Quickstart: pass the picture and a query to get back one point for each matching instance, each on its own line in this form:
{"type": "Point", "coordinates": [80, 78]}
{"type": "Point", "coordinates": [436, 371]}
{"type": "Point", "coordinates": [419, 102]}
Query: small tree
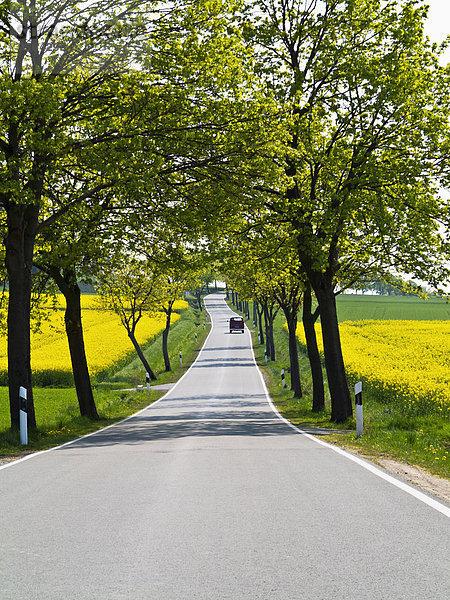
{"type": "Point", "coordinates": [171, 286]}
{"type": "Point", "coordinates": [129, 290]}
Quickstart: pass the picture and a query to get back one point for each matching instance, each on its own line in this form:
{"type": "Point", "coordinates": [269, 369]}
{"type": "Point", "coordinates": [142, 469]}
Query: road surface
{"type": "Point", "coordinates": [209, 495]}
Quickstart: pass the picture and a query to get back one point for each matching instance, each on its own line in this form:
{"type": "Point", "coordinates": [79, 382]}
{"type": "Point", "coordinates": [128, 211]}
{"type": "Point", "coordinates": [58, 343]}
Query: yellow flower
{"type": "Point", "coordinates": [105, 338]}
{"type": "Point", "coordinates": [406, 362]}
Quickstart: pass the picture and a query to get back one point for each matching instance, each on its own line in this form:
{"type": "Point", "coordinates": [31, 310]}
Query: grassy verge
{"type": "Point", "coordinates": [57, 413]}
{"type": "Point", "coordinates": [423, 441]}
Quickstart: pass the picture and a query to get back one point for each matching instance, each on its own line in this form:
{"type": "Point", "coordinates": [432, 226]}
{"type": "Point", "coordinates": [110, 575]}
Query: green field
{"type": "Point", "coordinates": [48, 404]}
{"type": "Point", "coordinates": [358, 307]}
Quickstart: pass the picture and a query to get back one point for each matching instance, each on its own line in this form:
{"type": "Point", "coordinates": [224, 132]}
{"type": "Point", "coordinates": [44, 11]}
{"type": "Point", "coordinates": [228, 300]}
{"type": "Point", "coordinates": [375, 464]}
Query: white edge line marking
{"type": "Point", "coordinates": [363, 463]}
{"type": "Point", "coordinates": [41, 452]}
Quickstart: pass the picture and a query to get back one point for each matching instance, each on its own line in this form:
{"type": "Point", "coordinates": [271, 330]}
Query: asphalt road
{"type": "Point", "coordinates": [209, 495]}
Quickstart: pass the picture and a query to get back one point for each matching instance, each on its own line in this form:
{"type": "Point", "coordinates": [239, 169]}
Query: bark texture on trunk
{"type": "Point", "coordinates": [341, 404]}
{"type": "Point", "coordinates": [269, 315]}
{"type": "Point", "coordinates": [165, 337]}
{"type": "Point", "coordinates": [289, 297]}
{"type": "Point", "coordinates": [68, 286]}
{"type": "Point", "coordinates": [260, 311]}
{"type": "Point", "coordinates": [22, 222]}
{"type": "Point", "coordinates": [75, 338]}
{"type": "Point", "coordinates": [312, 349]}
{"type": "Point", "coordinates": [198, 296]}
{"type": "Point", "coordinates": [141, 354]}
{"type": "Point", "coordinates": [296, 386]}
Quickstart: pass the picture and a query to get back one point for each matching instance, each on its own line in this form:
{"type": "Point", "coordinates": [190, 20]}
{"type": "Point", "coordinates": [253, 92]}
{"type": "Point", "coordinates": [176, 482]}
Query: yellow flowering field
{"type": "Point", "coordinates": [106, 339]}
{"type": "Point", "coordinates": [92, 301]}
{"type": "Point", "coordinates": [403, 362]}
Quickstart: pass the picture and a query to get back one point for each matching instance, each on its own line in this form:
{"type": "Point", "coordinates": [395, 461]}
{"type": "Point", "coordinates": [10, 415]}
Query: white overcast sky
{"type": "Point", "coordinates": [438, 22]}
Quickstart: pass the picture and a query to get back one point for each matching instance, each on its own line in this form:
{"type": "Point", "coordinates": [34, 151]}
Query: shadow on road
{"type": "Point", "coordinates": [192, 417]}
{"type": "Point", "coordinates": [217, 348]}
{"type": "Point", "coordinates": [204, 363]}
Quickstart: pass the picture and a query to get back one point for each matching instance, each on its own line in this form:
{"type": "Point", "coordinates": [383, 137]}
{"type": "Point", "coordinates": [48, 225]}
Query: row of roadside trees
{"type": "Point", "coordinates": [116, 122]}
{"type": "Point", "coordinates": [314, 133]}
{"type": "Point", "coordinates": [364, 126]}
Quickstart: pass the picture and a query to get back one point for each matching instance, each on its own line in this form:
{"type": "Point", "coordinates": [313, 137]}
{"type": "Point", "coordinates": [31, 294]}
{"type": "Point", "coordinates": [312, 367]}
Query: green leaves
{"type": "Point", "coordinates": [365, 106]}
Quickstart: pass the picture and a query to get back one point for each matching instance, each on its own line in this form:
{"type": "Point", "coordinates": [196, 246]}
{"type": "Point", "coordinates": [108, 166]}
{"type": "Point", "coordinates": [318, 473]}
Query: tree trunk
{"type": "Point", "coordinates": [269, 318]}
{"type": "Point", "coordinates": [68, 286]}
{"type": "Point", "coordinates": [22, 221]}
{"type": "Point", "coordinates": [141, 355]}
{"type": "Point", "coordinates": [291, 318]}
{"type": "Point", "coordinates": [341, 405]}
{"type": "Point", "coordinates": [312, 350]}
{"type": "Point", "coordinates": [272, 341]}
{"type": "Point", "coordinates": [266, 327]}
{"type": "Point", "coordinates": [260, 311]}
{"type": "Point", "coordinates": [198, 295]}
{"type": "Point", "coordinates": [74, 331]}
{"type": "Point", "coordinates": [165, 337]}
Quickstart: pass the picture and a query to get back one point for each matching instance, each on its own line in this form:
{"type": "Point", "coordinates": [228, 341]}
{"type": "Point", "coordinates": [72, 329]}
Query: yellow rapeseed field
{"type": "Point", "coordinates": [403, 362]}
{"type": "Point", "coordinates": [106, 339]}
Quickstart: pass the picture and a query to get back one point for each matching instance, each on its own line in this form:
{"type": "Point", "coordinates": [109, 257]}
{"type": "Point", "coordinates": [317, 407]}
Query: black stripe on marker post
{"type": "Point", "coordinates": [359, 409]}
{"type": "Point", "coordinates": [23, 416]}
{"type": "Point", "coordinates": [23, 401]}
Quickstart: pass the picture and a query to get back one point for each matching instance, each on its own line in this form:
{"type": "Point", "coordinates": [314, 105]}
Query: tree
{"type": "Point", "coordinates": [60, 63]}
{"type": "Point", "coordinates": [75, 117]}
{"type": "Point", "coordinates": [289, 294]}
{"type": "Point", "coordinates": [172, 284]}
{"type": "Point", "coordinates": [260, 268]}
{"type": "Point", "coordinates": [128, 288]}
{"type": "Point", "coordinates": [364, 106]}
{"type": "Point", "coordinates": [309, 317]}
{"type": "Point", "coordinates": [178, 267]}
{"type": "Point", "coordinates": [67, 253]}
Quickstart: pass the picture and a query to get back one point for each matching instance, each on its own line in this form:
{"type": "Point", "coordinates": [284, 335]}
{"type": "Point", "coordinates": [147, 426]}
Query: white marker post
{"type": "Point", "coordinates": [181, 359]}
{"type": "Point", "coordinates": [359, 410]}
{"type": "Point", "coordinates": [265, 356]}
{"type": "Point", "coordinates": [147, 381]}
{"type": "Point", "coordinates": [204, 325]}
{"type": "Point", "coordinates": [23, 416]}
{"type": "Point", "coordinates": [283, 380]}
{"type": "Point", "coordinates": [195, 337]}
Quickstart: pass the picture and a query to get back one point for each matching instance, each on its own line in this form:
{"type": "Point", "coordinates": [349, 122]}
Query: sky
{"type": "Point", "coordinates": [437, 26]}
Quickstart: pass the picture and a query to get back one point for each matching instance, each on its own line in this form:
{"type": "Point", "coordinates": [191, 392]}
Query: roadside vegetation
{"type": "Point", "coordinates": [391, 430]}
{"type": "Point", "coordinates": [115, 391]}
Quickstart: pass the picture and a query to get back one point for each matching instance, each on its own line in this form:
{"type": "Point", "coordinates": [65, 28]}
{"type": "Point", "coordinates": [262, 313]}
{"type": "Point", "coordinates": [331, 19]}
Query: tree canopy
{"type": "Point", "coordinates": [324, 120]}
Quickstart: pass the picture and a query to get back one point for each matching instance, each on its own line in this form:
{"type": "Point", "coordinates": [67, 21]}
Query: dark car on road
{"type": "Point", "coordinates": [237, 324]}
